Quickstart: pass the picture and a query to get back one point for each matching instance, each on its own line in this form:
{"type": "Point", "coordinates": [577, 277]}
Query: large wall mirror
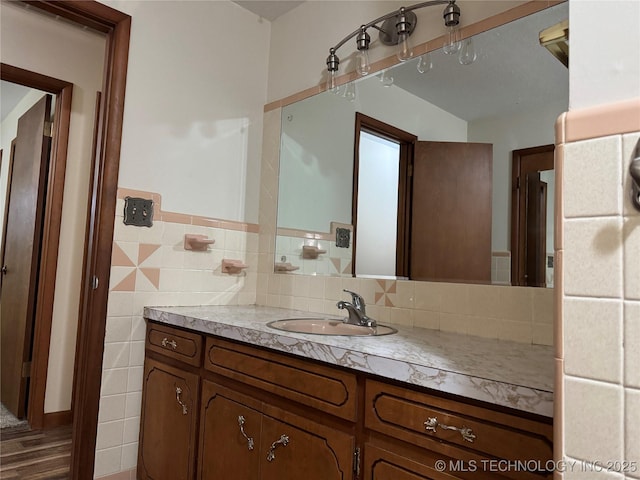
{"type": "Point", "coordinates": [436, 169]}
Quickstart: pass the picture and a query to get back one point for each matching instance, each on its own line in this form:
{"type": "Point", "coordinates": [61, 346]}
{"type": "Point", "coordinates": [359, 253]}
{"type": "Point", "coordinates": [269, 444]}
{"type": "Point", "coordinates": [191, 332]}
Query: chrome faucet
{"type": "Point", "coordinates": [356, 310]}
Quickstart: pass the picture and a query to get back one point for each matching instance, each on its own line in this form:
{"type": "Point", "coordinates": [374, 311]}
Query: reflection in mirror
{"type": "Point", "coordinates": [16, 100]}
{"type": "Point", "coordinates": [509, 99]}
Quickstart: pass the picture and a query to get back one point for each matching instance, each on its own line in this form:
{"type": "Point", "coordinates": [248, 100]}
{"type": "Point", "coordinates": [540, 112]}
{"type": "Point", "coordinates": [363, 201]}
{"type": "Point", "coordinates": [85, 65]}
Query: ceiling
{"type": "Point", "coordinates": [268, 9]}
{"type": "Point", "coordinates": [512, 72]}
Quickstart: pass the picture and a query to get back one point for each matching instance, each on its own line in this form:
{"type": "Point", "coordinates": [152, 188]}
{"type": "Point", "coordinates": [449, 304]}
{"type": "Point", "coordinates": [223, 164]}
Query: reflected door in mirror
{"type": "Point", "coordinates": [451, 212]}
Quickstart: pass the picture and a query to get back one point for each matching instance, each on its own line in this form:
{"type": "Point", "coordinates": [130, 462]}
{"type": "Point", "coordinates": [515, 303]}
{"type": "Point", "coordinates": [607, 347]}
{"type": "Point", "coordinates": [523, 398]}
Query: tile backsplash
{"type": "Point", "coordinates": [518, 314]}
{"type": "Point", "coordinates": [151, 267]}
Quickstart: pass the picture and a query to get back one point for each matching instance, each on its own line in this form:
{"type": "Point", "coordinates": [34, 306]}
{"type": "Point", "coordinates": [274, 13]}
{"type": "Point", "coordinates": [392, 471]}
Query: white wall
{"type": "Point", "coordinates": [35, 42]}
{"type": "Point", "coordinates": [196, 87]}
{"type": "Point", "coordinates": [604, 66]}
{"type": "Point", "coordinates": [531, 128]}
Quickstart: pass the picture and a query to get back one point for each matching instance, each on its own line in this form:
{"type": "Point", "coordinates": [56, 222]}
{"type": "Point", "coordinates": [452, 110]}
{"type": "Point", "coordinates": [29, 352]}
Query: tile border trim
{"type": "Point", "coordinates": [617, 118]}
{"type": "Point", "coordinates": [185, 218]}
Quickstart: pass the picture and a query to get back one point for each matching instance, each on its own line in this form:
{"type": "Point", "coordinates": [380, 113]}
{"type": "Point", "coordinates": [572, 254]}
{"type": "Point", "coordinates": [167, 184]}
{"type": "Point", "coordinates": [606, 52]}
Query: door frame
{"type": "Point", "coordinates": [116, 26]}
{"type": "Point", "coordinates": [406, 141]}
{"type": "Point", "coordinates": [50, 235]}
{"type": "Point", "coordinates": [518, 205]}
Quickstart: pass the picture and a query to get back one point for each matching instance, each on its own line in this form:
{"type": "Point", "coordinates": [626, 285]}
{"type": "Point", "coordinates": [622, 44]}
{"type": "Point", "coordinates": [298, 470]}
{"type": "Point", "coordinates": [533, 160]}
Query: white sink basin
{"type": "Point", "coordinates": [328, 326]}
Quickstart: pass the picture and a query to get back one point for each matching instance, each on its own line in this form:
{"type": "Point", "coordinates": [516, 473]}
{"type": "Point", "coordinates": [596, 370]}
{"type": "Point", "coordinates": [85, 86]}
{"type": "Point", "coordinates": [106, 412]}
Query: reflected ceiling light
{"type": "Point", "coordinates": [397, 27]}
{"type": "Point", "coordinates": [467, 53]}
{"type": "Point", "coordinates": [424, 63]}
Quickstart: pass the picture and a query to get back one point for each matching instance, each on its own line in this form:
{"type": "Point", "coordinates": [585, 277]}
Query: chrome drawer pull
{"type": "Point", "coordinates": [284, 441]}
{"type": "Point", "coordinates": [432, 423]}
{"type": "Point", "coordinates": [241, 421]}
{"type": "Point", "coordinates": [184, 406]}
{"type": "Point", "coordinates": [166, 342]}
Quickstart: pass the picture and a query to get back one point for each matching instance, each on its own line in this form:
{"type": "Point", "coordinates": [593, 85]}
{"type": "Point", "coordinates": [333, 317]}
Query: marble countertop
{"type": "Point", "coordinates": [515, 375]}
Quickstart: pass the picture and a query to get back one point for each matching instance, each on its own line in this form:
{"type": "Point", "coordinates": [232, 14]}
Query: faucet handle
{"type": "Point", "coordinates": [357, 300]}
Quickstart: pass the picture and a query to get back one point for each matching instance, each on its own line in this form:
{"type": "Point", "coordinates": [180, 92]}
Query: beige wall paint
{"type": "Point", "coordinates": [36, 42]}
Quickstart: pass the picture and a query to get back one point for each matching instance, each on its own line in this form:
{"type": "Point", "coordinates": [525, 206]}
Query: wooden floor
{"type": "Point", "coordinates": [31, 455]}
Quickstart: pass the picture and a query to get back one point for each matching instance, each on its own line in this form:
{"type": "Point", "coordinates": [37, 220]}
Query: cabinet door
{"type": "Point", "coordinates": [168, 423]}
{"type": "Point", "coordinates": [296, 448]}
{"type": "Point", "coordinates": [381, 464]}
{"type": "Point", "coordinates": [230, 426]}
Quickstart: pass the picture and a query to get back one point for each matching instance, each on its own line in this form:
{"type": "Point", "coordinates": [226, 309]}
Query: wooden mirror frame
{"type": "Point", "coordinates": [101, 212]}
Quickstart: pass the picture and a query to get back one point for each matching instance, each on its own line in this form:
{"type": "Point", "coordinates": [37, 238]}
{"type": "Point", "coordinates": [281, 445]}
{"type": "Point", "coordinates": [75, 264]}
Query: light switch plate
{"type": "Point", "coordinates": [138, 212]}
{"type": "Point", "coordinates": [343, 237]}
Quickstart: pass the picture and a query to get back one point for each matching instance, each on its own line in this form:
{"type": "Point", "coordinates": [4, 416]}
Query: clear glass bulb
{"type": "Point", "coordinates": [363, 67]}
{"type": "Point", "coordinates": [331, 81]}
{"type": "Point", "coordinates": [452, 41]}
{"type": "Point", "coordinates": [405, 50]}
{"type": "Point", "coordinates": [350, 92]}
{"type": "Point", "coordinates": [467, 53]}
{"type": "Point", "coordinates": [424, 63]}
{"type": "Point", "coordinates": [386, 79]}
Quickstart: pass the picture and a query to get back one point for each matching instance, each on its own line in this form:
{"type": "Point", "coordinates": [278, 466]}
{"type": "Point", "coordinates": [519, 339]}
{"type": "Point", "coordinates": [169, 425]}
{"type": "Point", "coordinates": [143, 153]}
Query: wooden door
{"type": "Point", "coordinates": [451, 212]}
{"type": "Point", "coordinates": [536, 234]}
{"type": "Point", "coordinates": [525, 162]}
{"type": "Point", "coordinates": [168, 423]}
{"type": "Point", "coordinates": [22, 252]}
{"type": "Point", "coordinates": [230, 430]}
{"type": "Point", "coordinates": [295, 448]}
{"type": "Point", "coordinates": [383, 464]}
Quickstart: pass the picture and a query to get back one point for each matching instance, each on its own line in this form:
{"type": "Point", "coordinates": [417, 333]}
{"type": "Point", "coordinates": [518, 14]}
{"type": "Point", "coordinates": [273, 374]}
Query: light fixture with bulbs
{"type": "Point", "coordinates": [396, 28]}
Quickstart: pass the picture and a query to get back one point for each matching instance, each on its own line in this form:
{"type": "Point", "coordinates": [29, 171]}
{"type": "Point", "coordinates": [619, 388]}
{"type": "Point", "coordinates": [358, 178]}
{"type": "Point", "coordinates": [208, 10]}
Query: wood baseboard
{"type": "Point", "coordinates": [57, 419]}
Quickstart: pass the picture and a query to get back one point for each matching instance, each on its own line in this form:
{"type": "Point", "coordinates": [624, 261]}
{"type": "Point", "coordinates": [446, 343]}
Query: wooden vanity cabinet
{"type": "Point", "coordinates": [395, 462]}
{"type": "Point", "coordinates": [214, 409]}
{"type": "Point", "coordinates": [472, 441]}
{"type": "Point", "coordinates": [246, 439]}
{"type": "Point", "coordinates": [168, 422]}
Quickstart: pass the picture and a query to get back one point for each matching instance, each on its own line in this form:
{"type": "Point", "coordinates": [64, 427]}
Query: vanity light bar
{"type": "Point", "coordinates": [397, 27]}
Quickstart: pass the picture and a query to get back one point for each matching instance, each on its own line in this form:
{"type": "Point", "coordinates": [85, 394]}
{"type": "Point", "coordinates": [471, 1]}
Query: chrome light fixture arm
{"type": "Point", "coordinates": [393, 14]}
{"type": "Point", "coordinates": [396, 28]}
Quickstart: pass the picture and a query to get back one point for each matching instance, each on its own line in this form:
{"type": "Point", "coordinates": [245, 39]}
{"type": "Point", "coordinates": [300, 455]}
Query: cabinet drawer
{"type": "Point", "coordinates": [427, 420]}
{"type": "Point", "coordinates": [175, 343]}
{"type": "Point", "coordinates": [398, 464]}
{"type": "Point", "coordinates": [325, 388]}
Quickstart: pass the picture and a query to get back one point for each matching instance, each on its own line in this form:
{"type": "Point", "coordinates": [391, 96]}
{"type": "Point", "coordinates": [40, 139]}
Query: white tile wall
{"type": "Point", "coordinates": [601, 311]}
{"type": "Point", "coordinates": [183, 278]}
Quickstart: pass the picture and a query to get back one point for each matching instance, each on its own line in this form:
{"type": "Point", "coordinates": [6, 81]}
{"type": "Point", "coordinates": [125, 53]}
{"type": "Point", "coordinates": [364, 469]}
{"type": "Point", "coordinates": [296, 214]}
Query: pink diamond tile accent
{"type": "Point", "coordinates": [385, 292]}
{"type": "Point", "coordinates": [336, 263]}
{"type": "Point", "coordinates": [153, 274]}
{"type": "Point", "coordinates": [145, 251]}
{"type": "Point", "coordinates": [119, 258]}
{"type": "Point", "coordinates": [127, 284]}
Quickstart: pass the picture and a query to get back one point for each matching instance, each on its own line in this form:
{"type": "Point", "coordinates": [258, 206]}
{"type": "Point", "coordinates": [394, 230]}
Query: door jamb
{"type": "Point", "coordinates": [50, 232]}
{"type": "Point", "coordinates": [99, 234]}
{"type": "Point", "coordinates": [406, 141]}
{"type": "Point", "coordinates": [517, 207]}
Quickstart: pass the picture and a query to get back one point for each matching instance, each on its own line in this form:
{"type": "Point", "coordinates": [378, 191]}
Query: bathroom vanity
{"type": "Point", "coordinates": [227, 397]}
